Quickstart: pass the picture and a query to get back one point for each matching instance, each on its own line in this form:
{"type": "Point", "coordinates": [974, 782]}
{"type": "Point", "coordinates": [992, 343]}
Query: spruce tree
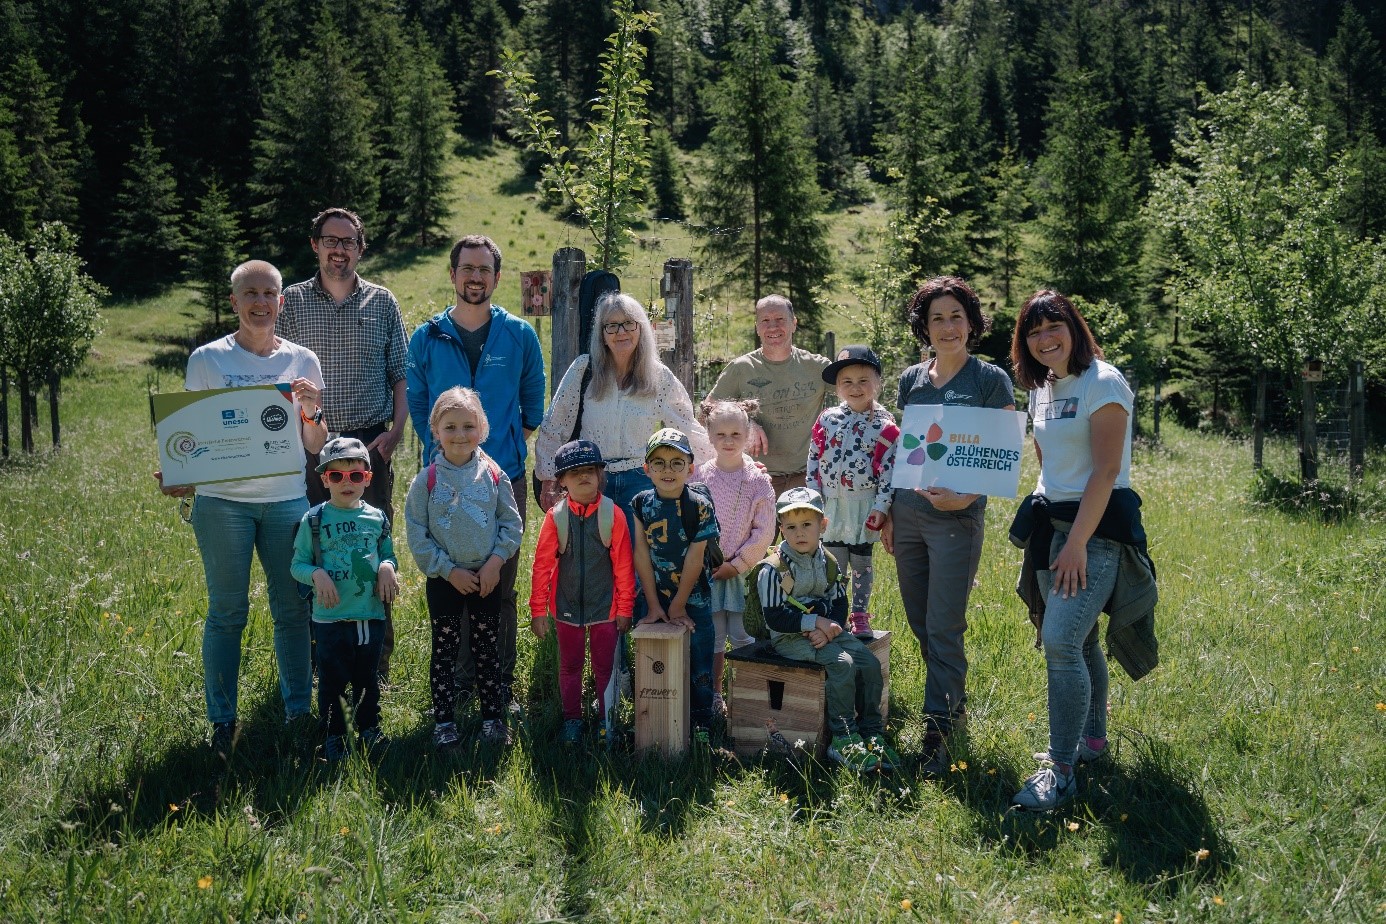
{"type": "Point", "coordinates": [759, 201]}
{"type": "Point", "coordinates": [46, 155]}
{"type": "Point", "coordinates": [16, 217]}
{"type": "Point", "coordinates": [414, 190]}
{"type": "Point", "coordinates": [1088, 237]}
{"type": "Point", "coordinates": [214, 247]}
{"type": "Point", "coordinates": [313, 146]}
{"type": "Point", "coordinates": [472, 50]}
{"type": "Point", "coordinates": [1006, 184]}
{"type": "Point", "coordinates": [146, 237]}
{"type": "Point", "coordinates": [666, 177]}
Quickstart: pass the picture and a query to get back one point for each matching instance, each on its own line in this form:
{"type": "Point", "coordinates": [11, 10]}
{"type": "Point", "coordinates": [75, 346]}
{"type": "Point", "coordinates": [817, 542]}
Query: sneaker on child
{"type": "Point", "coordinates": [860, 624]}
{"type": "Point", "coordinates": [851, 752]}
{"type": "Point", "coordinates": [335, 748]}
{"type": "Point", "coordinates": [373, 740]}
{"type": "Point", "coordinates": [494, 732]}
{"type": "Point", "coordinates": [888, 756]}
{"type": "Point", "coordinates": [1046, 789]}
{"type": "Point", "coordinates": [445, 735]}
{"type": "Point", "coordinates": [223, 739]}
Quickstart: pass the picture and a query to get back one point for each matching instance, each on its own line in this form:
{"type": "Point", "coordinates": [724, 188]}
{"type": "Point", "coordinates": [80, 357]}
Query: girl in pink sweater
{"type": "Point", "coordinates": [744, 500]}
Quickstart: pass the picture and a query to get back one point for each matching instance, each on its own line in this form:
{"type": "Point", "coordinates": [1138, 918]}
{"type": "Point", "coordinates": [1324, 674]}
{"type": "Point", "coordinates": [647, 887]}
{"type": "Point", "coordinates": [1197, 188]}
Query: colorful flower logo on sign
{"type": "Point", "coordinates": [929, 444]}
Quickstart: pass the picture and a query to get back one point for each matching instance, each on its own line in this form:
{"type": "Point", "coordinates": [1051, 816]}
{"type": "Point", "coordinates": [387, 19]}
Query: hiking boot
{"type": "Point", "coordinates": [224, 739]}
{"type": "Point", "coordinates": [1045, 790]}
{"type": "Point", "coordinates": [860, 625]}
{"type": "Point", "coordinates": [494, 732]}
{"type": "Point", "coordinates": [1086, 753]}
{"type": "Point", "coordinates": [890, 760]}
{"type": "Point", "coordinates": [572, 733]}
{"type": "Point", "coordinates": [445, 735]}
{"type": "Point", "coordinates": [935, 754]}
{"type": "Point", "coordinates": [335, 748]}
{"type": "Point", "coordinates": [851, 752]}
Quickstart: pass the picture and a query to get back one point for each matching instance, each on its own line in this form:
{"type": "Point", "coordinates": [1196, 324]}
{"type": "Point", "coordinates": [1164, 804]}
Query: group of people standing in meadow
{"type": "Point", "coordinates": [652, 511]}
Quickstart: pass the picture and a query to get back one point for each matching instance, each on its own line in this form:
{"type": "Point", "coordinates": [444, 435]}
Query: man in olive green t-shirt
{"type": "Point", "coordinates": [789, 384]}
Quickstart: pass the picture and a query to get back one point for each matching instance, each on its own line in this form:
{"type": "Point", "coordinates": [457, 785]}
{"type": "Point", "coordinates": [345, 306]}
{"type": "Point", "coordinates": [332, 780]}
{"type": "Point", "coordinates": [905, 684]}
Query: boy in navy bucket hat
{"type": "Point", "coordinates": [583, 577]}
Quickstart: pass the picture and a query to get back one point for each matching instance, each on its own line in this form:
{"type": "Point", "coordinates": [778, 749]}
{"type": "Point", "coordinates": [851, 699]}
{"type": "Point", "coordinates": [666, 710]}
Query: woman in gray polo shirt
{"type": "Point", "coordinates": [935, 533]}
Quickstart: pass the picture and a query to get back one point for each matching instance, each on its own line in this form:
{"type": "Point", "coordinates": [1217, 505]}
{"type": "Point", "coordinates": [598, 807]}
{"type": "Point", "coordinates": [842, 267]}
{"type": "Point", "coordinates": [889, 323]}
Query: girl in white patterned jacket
{"type": "Point", "coordinates": [851, 456]}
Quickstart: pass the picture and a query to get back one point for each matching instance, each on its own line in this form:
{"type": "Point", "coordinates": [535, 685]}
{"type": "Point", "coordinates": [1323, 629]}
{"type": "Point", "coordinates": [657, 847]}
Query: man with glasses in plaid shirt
{"type": "Point", "coordinates": [356, 330]}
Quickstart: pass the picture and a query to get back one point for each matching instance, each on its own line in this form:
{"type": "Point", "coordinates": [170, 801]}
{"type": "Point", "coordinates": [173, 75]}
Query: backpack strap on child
{"type": "Point", "coordinates": [315, 527]}
{"type": "Point", "coordinates": [884, 441]}
{"type": "Point", "coordinates": [606, 521]}
{"type": "Point", "coordinates": [492, 467]}
{"type": "Point", "coordinates": [754, 616]}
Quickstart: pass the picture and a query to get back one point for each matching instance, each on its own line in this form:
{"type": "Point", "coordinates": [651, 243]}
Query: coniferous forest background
{"type": "Point", "coordinates": [1072, 143]}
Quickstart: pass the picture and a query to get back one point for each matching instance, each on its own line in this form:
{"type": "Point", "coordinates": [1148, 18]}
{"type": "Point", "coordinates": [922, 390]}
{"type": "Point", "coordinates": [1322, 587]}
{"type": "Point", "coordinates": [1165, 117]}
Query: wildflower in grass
{"type": "Point", "coordinates": [906, 904]}
{"type": "Point", "coordinates": [1124, 816]}
{"type": "Point", "coordinates": [1117, 918]}
{"type": "Point", "coordinates": [1381, 707]}
{"type": "Point", "coordinates": [1217, 900]}
{"type": "Point", "coordinates": [345, 831]}
{"type": "Point", "coordinates": [1202, 854]}
{"type": "Point", "coordinates": [1355, 649]}
{"type": "Point", "coordinates": [1031, 718]}
{"type": "Point", "coordinates": [784, 797]}
{"type": "Point", "coordinates": [1072, 826]}
{"type": "Point", "coordinates": [494, 829]}
{"type": "Point", "coordinates": [205, 882]}
{"type": "Point", "coordinates": [172, 807]}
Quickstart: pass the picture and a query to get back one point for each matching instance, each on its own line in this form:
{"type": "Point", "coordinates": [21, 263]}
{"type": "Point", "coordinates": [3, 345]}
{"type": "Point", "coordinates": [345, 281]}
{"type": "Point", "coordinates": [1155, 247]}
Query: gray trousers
{"type": "Point", "coordinates": [853, 684]}
{"type": "Point", "coordinates": [936, 558]}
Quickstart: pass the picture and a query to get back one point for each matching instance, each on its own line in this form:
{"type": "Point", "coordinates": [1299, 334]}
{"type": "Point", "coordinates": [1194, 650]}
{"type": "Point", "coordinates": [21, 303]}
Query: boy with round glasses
{"type": "Point", "coordinates": [343, 549]}
{"type": "Point", "coordinates": [670, 561]}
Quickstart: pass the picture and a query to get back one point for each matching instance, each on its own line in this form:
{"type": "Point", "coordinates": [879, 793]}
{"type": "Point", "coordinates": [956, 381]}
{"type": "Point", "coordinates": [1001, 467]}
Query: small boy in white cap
{"type": "Point", "coordinates": [343, 549]}
{"type": "Point", "coordinates": [807, 622]}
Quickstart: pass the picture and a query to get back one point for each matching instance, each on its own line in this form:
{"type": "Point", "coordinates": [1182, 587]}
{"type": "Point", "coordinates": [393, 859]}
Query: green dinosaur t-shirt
{"type": "Point", "coordinates": [353, 543]}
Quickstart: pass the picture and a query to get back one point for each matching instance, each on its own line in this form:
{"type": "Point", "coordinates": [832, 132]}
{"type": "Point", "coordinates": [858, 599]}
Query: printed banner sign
{"type": "Point", "coordinates": [227, 434]}
{"type": "Point", "coordinates": [971, 450]}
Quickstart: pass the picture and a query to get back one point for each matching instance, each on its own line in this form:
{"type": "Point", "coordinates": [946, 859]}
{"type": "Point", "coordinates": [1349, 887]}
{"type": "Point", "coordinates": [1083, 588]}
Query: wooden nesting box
{"type": "Point", "coordinates": [661, 688]}
{"type": "Point", "coordinates": [791, 694]}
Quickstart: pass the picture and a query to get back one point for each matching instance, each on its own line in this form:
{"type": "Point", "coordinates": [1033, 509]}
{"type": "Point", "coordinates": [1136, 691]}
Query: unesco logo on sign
{"type": "Point", "coordinates": [274, 418]}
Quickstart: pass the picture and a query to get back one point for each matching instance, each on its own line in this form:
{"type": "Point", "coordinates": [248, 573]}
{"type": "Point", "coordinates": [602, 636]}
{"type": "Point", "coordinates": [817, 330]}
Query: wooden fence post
{"type": "Point", "coordinates": [676, 288]}
{"type": "Point", "coordinates": [1357, 419]}
{"type": "Point", "coordinates": [830, 344]}
{"type": "Point", "coordinates": [569, 265]}
{"type": "Point", "coordinates": [4, 412]}
{"type": "Point", "coordinates": [1258, 428]}
{"type": "Point", "coordinates": [1309, 436]}
{"type": "Point", "coordinates": [1155, 406]}
{"type": "Point", "coordinates": [54, 384]}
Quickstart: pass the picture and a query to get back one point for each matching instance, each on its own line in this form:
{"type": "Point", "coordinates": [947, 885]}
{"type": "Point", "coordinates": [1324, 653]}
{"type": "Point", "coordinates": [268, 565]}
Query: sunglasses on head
{"type": "Point", "coordinates": [355, 476]}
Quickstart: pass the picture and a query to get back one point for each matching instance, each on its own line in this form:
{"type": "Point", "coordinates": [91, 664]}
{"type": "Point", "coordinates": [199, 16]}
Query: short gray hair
{"type": "Point", "coordinates": [256, 266]}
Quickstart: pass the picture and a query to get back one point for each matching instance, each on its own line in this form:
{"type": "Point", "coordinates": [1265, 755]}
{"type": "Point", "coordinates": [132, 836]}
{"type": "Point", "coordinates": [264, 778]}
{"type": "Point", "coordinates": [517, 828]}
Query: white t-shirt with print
{"type": "Point", "coordinates": [223, 363]}
{"type": "Point", "coordinates": [1062, 415]}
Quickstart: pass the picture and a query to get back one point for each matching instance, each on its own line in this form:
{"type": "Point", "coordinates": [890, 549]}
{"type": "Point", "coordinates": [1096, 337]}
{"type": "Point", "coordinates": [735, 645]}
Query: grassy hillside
{"type": "Point", "coordinates": [1246, 784]}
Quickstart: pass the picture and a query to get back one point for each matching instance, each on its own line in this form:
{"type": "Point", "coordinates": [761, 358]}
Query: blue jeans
{"type": "Point", "coordinates": [1073, 656]}
{"type": "Point", "coordinates": [228, 532]}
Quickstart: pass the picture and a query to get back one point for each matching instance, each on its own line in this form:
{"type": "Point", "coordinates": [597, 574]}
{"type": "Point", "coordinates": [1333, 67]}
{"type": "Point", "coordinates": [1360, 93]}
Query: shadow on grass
{"type": "Point", "coordinates": [1159, 830]}
{"type": "Point", "coordinates": [160, 786]}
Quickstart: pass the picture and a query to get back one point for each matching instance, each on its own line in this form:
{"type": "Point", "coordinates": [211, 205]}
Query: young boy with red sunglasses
{"type": "Point", "coordinates": [343, 549]}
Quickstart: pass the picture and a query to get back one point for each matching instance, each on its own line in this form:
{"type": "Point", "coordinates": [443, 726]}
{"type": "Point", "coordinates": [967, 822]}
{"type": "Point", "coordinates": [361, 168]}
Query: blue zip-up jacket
{"type": "Point", "coordinates": [509, 378]}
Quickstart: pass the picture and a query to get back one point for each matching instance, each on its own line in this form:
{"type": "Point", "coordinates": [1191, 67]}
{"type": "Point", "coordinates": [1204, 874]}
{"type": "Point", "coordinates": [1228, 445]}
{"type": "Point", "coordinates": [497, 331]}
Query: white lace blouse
{"type": "Point", "coordinates": [620, 424]}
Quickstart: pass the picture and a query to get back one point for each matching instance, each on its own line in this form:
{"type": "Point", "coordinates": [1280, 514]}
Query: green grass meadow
{"type": "Point", "coordinates": [1247, 783]}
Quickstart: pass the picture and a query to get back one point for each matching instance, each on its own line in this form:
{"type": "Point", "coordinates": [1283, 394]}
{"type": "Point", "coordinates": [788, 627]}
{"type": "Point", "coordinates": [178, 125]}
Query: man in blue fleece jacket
{"type": "Point", "coordinates": [482, 346]}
